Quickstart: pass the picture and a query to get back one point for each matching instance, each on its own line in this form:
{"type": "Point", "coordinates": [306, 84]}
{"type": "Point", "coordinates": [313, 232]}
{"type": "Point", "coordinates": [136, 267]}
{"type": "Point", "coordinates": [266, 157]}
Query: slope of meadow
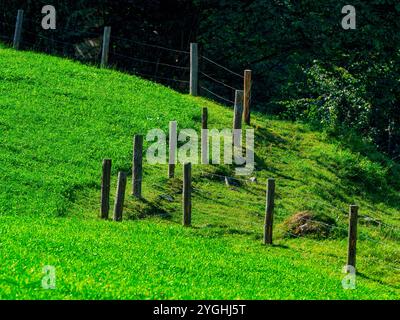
{"type": "Point", "coordinates": [59, 119]}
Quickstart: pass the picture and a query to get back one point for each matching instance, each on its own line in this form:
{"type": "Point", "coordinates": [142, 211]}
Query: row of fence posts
{"type": "Point", "coordinates": [241, 107]}
{"type": "Point", "coordinates": [137, 167]}
{"type": "Point", "coordinates": [194, 82]}
{"type": "Point", "coordinates": [137, 178]}
{"type": "Point", "coordinates": [194, 64]}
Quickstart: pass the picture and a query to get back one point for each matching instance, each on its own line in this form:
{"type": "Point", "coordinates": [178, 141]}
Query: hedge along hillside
{"type": "Point", "coordinates": [306, 66]}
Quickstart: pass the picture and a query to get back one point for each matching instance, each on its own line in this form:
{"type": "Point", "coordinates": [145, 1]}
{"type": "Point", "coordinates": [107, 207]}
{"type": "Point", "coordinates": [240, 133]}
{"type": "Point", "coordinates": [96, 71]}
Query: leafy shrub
{"type": "Point", "coordinates": [336, 99]}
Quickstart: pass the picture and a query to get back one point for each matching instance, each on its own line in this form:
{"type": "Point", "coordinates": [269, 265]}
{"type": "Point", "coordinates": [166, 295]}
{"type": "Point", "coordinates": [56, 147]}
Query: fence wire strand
{"type": "Point", "coordinates": [158, 77]}
{"type": "Point", "coordinates": [222, 67]}
{"type": "Point", "coordinates": [150, 45]}
{"type": "Point", "coordinates": [217, 81]}
{"type": "Point", "coordinates": [150, 62]}
{"type": "Point", "coordinates": [217, 95]}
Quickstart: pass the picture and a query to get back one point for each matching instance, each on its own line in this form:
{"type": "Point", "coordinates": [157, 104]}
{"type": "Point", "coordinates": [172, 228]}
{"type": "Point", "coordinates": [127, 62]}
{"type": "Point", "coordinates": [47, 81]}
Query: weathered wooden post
{"type": "Point", "coordinates": [105, 189]}
{"type": "Point", "coordinates": [106, 47]}
{"type": "Point", "coordinates": [247, 96]}
{"type": "Point", "coordinates": [187, 194]}
{"type": "Point", "coordinates": [194, 69]}
{"type": "Point", "coordinates": [238, 110]}
{"type": "Point", "coordinates": [237, 118]}
{"type": "Point", "coordinates": [269, 211]}
{"type": "Point", "coordinates": [137, 166]}
{"type": "Point", "coordinates": [204, 118]}
{"type": "Point", "coordinates": [120, 196]}
{"type": "Point", "coordinates": [352, 240]}
{"type": "Point", "coordinates": [204, 136]}
{"type": "Point", "coordinates": [172, 148]}
{"type": "Point", "coordinates": [18, 30]}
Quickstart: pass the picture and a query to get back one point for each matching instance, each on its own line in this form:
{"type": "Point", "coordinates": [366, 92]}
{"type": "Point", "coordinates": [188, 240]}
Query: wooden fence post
{"type": "Point", "coordinates": [187, 194]}
{"type": "Point", "coordinates": [172, 148]}
{"type": "Point", "coordinates": [204, 136]}
{"type": "Point", "coordinates": [352, 240]}
{"type": "Point", "coordinates": [204, 118]}
{"type": "Point", "coordinates": [120, 196]}
{"type": "Point", "coordinates": [18, 29]}
{"type": "Point", "coordinates": [137, 166]}
{"type": "Point", "coordinates": [237, 117]}
{"type": "Point", "coordinates": [247, 96]}
{"type": "Point", "coordinates": [269, 211]}
{"type": "Point", "coordinates": [106, 47]}
{"type": "Point", "coordinates": [194, 69]}
{"type": "Point", "coordinates": [238, 110]}
{"type": "Point", "coordinates": [105, 189]}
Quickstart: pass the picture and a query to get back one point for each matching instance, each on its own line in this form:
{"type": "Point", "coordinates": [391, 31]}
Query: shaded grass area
{"type": "Point", "coordinates": [59, 119]}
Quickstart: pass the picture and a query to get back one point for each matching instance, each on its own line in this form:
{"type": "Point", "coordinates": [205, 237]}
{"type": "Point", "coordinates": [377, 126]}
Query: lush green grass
{"type": "Point", "coordinates": [59, 119]}
{"type": "Point", "coordinates": [156, 260]}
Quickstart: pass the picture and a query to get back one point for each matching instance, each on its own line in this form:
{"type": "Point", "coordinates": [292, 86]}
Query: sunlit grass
{"type": "Point", "coordinates": [59, 119]}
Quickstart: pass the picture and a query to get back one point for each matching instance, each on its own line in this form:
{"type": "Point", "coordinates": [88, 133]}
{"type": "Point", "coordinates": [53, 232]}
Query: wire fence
{"type": "Point", "coordinates": [211, 84]}
{"type": "Point", "coordinates": [253, 224]}
{"type": "Point", "coordinates": [340, 214]}
{"type": "Point", "coordinates": [169, 66]}
{"type": "Point", "coordinates": [222, 67]}
{"type": "Point", "coordinates": [88, 46]}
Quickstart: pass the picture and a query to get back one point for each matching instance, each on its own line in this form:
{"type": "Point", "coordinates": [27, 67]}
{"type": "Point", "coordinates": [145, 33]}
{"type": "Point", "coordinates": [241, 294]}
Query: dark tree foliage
{"type": "Point", "coordinates": [80, 26]}
{"type": "Point", "coordinates": [308, 67]}
{"type": "Point", "coordinates": [305, 65]}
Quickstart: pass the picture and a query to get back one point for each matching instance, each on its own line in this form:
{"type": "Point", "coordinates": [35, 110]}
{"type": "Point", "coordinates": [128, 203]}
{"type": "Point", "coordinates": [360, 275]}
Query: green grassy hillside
{"type": "Point", "coordinates": [59, 119]}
